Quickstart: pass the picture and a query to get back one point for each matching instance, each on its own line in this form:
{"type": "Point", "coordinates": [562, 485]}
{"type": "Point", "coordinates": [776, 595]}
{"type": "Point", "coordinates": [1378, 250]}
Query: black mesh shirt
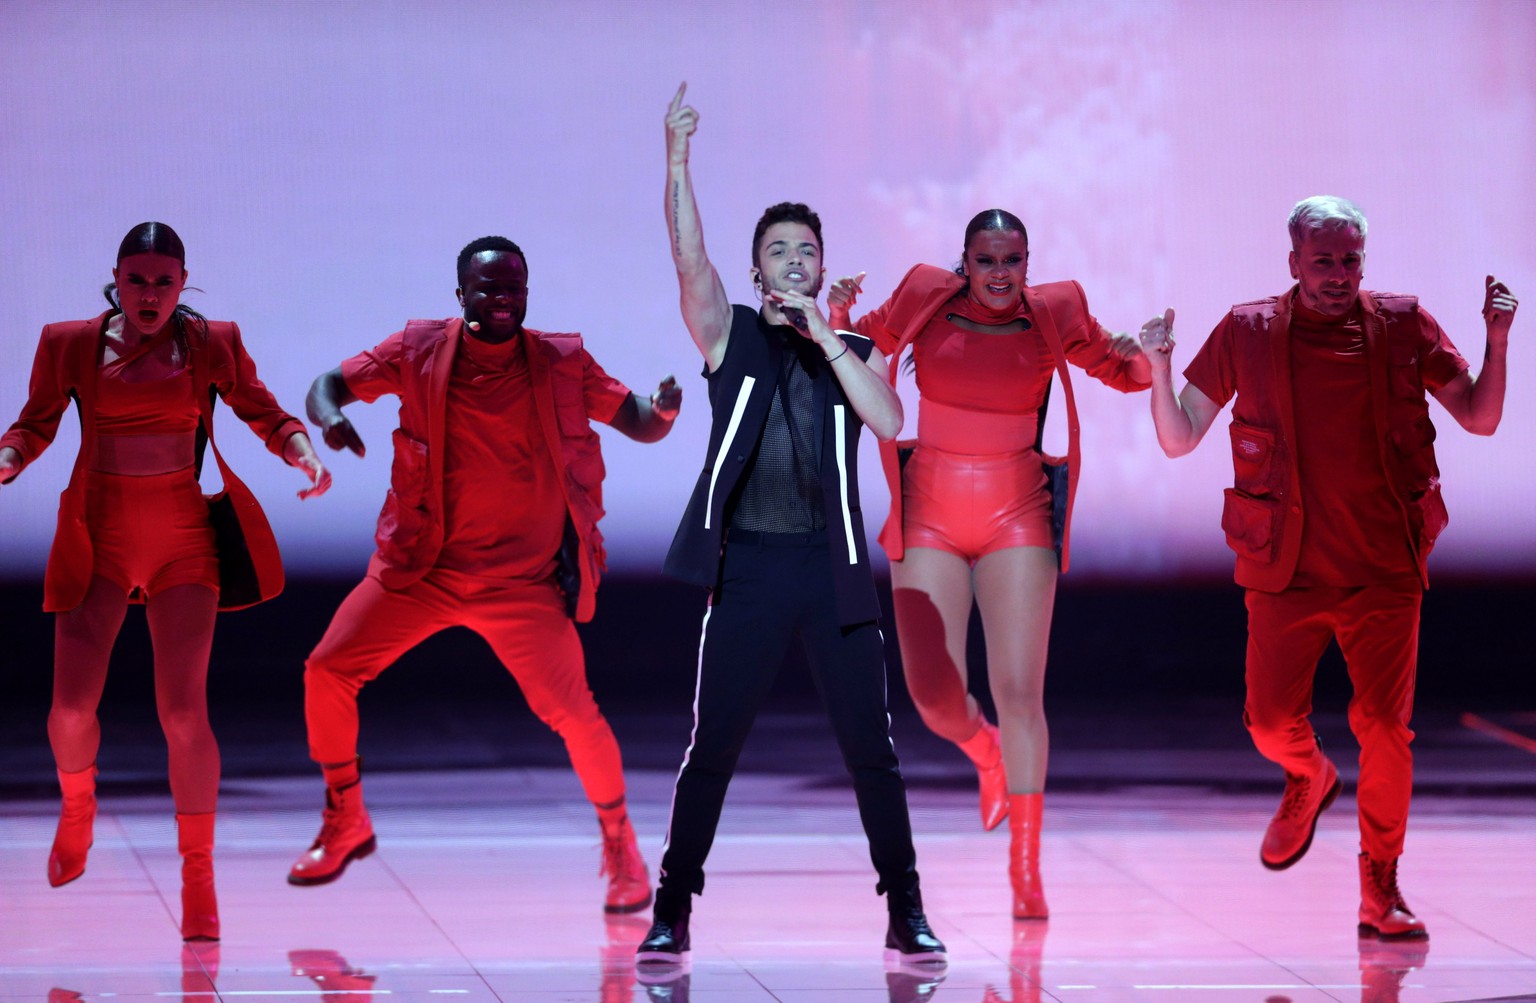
{"type": "Point", "coordinates": [781, 491]}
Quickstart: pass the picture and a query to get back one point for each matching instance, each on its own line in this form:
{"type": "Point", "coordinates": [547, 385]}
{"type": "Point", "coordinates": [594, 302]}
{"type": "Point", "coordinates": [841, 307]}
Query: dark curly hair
{"type": "Point", "coordinates": [482, 244]}
{"type": "Point", "coordinates": [786, 212]}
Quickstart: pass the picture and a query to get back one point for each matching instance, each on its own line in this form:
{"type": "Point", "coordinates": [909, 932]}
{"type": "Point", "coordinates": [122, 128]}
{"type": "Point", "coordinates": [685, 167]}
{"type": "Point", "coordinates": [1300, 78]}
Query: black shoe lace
{"type": "Point", "coordinates": [662, 932]}
{"type": "Point", "coordinates": [913, 921]}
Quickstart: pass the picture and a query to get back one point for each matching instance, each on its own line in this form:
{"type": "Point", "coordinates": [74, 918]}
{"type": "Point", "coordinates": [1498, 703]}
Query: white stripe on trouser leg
{"type": "Point", "coordinates": [693, 736]}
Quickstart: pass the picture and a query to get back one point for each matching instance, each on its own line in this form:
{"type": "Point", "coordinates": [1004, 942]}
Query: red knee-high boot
{"type": "Point", "coordinates": [1024, 811]}
{"type": "Point", "coordinates": [76, 832]}
{"type": "Point", "coordinates": [199, 906]}
{"type": "Point", "coordinates": [984, 751]}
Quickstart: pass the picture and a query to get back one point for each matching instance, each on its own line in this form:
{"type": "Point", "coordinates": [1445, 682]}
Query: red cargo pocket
{"type": "Point", "coordinates": [1253, 458]}
{"type": "Point", "coordinates": [1413, 442]}
{"type": "Point", "coordinates": [1431, 516]}
{"type": "Point", "coordinates": [1250, 525]}
{"type": "Point", "coordinates": [404, 519]}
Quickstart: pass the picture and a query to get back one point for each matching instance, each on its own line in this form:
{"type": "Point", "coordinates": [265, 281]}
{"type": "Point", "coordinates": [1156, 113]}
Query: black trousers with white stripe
{"type": "Point", "coordinates": [776, 588]}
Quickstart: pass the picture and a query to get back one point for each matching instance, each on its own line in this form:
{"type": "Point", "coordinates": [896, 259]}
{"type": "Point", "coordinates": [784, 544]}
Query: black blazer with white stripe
{"type": "Point", "coordinates": [740, 392]}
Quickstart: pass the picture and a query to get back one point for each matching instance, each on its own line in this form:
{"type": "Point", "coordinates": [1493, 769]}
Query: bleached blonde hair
{"type": "Point", "coordinates": [1323, 212]}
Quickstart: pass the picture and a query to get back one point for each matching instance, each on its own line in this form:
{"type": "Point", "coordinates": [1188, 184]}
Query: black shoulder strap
{"type": "Point", "coordinates": [205, 426]}
{"type": "Point", "coordinates": [1045, 407]}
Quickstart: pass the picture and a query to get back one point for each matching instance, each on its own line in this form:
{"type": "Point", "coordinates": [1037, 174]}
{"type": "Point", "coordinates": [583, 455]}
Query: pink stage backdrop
{"type": "Point", "coordinates": [325, 162]}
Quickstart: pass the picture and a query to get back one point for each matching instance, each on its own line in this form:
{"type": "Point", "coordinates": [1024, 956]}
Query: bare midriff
{"type": "Point", "coordinates": [142, 455]}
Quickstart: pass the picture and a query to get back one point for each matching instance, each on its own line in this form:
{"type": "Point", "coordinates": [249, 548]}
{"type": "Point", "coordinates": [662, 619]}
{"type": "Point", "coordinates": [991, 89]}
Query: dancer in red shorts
{"type": "Point", "coordinates": [491, 524]}
{"type": "Point", "coordinates": [134, 527]}
{"type": "Point", "coordinates": [1335, 506]}
{"type": "Point", "coordinates": [972, 504]}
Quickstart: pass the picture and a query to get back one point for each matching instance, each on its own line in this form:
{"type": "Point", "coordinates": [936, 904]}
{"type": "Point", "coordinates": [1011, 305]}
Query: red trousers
{"type": "Point", "coordinates": [1377, 627]}
{"type": "Point", "coordinates": [526, 627]}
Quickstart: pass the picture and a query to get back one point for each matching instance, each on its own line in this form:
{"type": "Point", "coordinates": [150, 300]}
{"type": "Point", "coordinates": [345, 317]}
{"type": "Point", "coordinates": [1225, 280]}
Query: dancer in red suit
{"type": "Point", "coordinates": [491, 524]}
{"type": "Point", "coordinates": [972, 504]}
{"type": "Point", "coordinates": [134, 527]}
{"type": "Point", "coordinates": [1334, 508]}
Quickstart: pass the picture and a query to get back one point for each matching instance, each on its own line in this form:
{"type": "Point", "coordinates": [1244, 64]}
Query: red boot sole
{"type": "Point", "coordinates": [1369, 932]}
{"type": "Point", "coordinates": [619, 910]}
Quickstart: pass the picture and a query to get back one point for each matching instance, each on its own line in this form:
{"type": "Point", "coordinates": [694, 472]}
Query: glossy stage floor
{"type": "Point", "coordinates": [485, 885]}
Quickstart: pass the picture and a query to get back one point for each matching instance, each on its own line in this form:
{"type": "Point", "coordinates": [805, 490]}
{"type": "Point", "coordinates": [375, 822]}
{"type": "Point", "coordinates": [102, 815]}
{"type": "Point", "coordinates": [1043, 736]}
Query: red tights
{"type": "Point", "coordinates": [181, 630]}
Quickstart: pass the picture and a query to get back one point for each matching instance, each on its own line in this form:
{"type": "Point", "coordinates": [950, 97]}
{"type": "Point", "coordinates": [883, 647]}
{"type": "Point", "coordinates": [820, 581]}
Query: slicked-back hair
{"type": "Point", "coordinates": [990, 219]}
{"type": "Point", "coordinates": [156, 238]}
{"type": "Point", "coordinates": [482, 244]}
{"type": "Point", "coordinates": [1323, 212]}
{"type": "Point", "coordinates": [786, 212]}
{"type": "Point", "coordinates": [152, 238]}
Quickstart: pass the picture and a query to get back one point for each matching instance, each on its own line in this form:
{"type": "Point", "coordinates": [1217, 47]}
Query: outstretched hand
{"type": "Point", "coordinates": [339, 434]}
{"type": "Point", "coordinates": [1156, 340]}
{"type": "Point", "coordinates": [10, 463]}
{"type": "Point", "coordinates": [844, 293]}
{"type": "Point", "coordinates": [1499, 305]}
{"type": "Point", "coordinates": [667, 401]}
{"type": "Point", "coordinates": [682, 122]}
{"type": "Point", "coordinates": [319, 477]}
{"type": "Point", "coordinates": [841, 297]}
{"type": "Point", "coordinates": [299, 452]}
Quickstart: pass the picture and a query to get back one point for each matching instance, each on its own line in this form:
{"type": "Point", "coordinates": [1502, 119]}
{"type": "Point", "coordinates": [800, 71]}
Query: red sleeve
{"type": "Point", "coordinates": [375, 372]}
{"type": "Point", "coordinates": [1439, 361]}
{"type": "Point", "coordinates": [884, 324]}
{"type": "Point", "coordinates": [1091, 350]}
{"type": "Point", "coordinates": [602, 393]}
{"type": "Point", "coordinates": [1211, 371]}
{"type": "Point", "coordinates": [47, 399]}
{"type": "Point", "coordinates": [876, 326]}
{"type": "Point", "coordinates": [252, 402]}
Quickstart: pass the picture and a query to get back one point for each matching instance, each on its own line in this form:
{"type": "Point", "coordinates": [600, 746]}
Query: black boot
{"type": "Point", "coordinates": [667, 941]}
{"type": "Point", "coordinates": [909, 939]}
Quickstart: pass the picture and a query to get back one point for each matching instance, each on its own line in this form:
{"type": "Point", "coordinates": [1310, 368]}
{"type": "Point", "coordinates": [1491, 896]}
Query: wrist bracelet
{"type": "Point", "coordinates": [839, 355]}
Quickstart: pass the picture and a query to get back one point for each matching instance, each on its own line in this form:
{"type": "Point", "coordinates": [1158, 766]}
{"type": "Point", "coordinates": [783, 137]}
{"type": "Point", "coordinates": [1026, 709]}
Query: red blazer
{"type": "Point", "coordinates": [65, 368]}
{"type": "Point", "coordinates": [1058, 310]}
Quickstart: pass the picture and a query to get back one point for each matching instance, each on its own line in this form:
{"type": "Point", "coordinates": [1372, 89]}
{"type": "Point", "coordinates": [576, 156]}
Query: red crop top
{"type": "Point", "coordinates": [998, 373]}
{"type": "Point", "coordinates": [164, 406]}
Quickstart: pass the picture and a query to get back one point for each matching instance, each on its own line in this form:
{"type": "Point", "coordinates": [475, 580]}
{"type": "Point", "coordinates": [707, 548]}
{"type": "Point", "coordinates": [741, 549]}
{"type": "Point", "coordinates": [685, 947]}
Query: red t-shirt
{"type": "Point", "coordinates": [502, 511]}
{"type": "Point", "coordinates": [503, 507]}
{"type": "Point", "coordinates": [1354, 533]}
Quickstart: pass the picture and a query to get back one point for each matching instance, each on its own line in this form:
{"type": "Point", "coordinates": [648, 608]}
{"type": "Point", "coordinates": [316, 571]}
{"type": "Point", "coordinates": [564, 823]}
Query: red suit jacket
{"type": "Point", "coordinates": [1058, 310]}
{"type": "Point", "coordinates": [65, 368]}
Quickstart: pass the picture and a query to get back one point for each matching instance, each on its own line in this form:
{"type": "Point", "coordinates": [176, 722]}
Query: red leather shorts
{"type": "Point", "coordinates": [151, 532]}
{"type": "Point", "coordinates": [973, 505]}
